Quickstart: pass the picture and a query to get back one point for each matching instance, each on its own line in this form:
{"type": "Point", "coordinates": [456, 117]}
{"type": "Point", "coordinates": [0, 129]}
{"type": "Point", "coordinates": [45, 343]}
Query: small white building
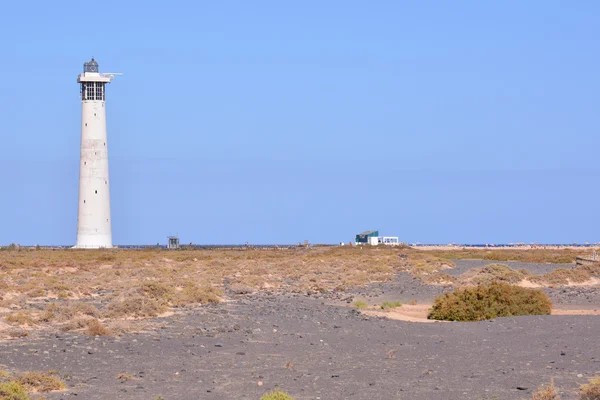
{"type": "Point", "coordinates": [372, 238]}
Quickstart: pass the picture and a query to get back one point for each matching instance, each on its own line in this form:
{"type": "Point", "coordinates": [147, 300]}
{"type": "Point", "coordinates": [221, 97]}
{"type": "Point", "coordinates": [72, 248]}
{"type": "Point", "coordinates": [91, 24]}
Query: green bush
{"type": "Point", "coordinates": [276, 395]}
{"type": "Point", "coordinates": [488, 302]}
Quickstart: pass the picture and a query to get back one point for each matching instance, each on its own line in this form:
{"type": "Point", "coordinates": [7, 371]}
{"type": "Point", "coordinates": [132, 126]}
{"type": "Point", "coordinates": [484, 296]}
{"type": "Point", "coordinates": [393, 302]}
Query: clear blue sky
{"type": "Point", "coordinates": [273, 121]}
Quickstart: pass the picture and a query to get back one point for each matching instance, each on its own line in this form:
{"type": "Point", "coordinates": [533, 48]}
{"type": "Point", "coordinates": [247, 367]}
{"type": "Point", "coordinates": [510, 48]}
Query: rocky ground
{"type": "Point", "coordinates": [316, 346]}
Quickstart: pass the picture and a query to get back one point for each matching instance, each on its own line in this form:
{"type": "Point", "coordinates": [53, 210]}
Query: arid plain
{"type": "Point", "coordinates": [317, 323]}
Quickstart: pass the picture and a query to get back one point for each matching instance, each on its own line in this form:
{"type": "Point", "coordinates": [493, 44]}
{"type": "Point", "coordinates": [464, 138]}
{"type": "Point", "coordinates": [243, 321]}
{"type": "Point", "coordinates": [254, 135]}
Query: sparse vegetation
{"type": "Point", "coordinates": [591, 390]}
{"type": "Point", "coordinates": [136, 306]}
{"type": "Point", "coordinates": [118, 284]}
{"type": "Point", "coordinates": [388, 305]}
{"type": "Point", "coordinates": [276, 395]}
{"type": "Point", "coordinates": [489, 301]}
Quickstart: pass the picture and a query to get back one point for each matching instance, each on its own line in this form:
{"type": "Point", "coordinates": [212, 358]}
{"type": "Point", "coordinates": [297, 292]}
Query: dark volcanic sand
{"type": "Point", "coordinates": [318, 351]}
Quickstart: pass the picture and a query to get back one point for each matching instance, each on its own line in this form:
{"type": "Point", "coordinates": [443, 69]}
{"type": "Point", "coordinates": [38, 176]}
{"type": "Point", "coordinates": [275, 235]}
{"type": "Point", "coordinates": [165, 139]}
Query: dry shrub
{"type": "Point", "coordinates": [276, 395]}
{"type": "Point", "coordinates": [429, 266]}
{"type": "Point", "coordinates": [562, 276]}
{"type": "Point", "coordinates": [85, 309]}
{"type": "Point", "coordinates": [55, 312]}
{"type": "Point", "coordinates": [40, 381]}
{"type": "Point", "coordinates": [13, 391]}
{"type": "Point", "coordinates": [67, 312]}
{"type": "Point", "coordinates": [193, 294]}
{"type": "Point", "coordinates": [493, 273]}
{"type": "Point", "coordinates": [548, 392]}
{"type": "Point", "coordinates": [439, 278]}
{"type": "Point", "coordinates": [592, 269]}
{"type": "Point", "coordinates": [136, 306]}
{"type": "Point", "coordinates": [75, 324]}
{"type": "Point", "coordinates": [96, 328]}
{"type": "Point", "coordinates": [488, 302]}
{"type": "Point", "coordinates": [591, 390]}
{"type": "Point", "coordinates": [17, 333]}
{"type": "Point", "coordinates": [38, 292]}
{"type": "Point", "coordinates": [20, 318]}
{"type": "Point", "coordinates": [157, 290]}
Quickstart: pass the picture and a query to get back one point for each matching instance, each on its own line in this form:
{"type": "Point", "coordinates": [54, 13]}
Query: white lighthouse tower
{"type": "Point", "coordinates": [93, 221]}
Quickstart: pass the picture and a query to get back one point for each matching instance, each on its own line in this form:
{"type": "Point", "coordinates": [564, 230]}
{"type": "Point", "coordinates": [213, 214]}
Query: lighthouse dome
{"type": "Point", "coordinates": [90, 66]}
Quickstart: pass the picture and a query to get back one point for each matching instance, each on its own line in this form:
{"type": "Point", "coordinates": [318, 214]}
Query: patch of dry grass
{"type": "Point", "coordinates": [136, 306]}
{"type": "Point", "coordinates": [191, 293]}
{"type": "Point", "coordinates": [97, 328]}
{"type": "Point", "coordinates": [40, 382]}
{"type": "Point", "coordinates": [591, 390]}
{"type": "Point", "coordinates": [20, 318]}
{"type": "Point", "coordinates": [562, 276]}
{"type": "Point", "coordinates": [547, 392]}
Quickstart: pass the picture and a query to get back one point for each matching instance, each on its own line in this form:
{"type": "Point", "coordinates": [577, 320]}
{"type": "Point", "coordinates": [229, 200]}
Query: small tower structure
{"type": "Point", "coordinates": [93, 220]}
{"type": "Point", "coordinates": [173, 243]}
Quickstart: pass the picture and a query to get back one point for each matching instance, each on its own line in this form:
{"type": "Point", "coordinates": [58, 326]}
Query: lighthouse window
{"type": "Point", "coordinates": [92, 91]}
{"type": "Point", "coordinates": [99, 91]}
{"type": "Point", "coordinates": [90, 88]}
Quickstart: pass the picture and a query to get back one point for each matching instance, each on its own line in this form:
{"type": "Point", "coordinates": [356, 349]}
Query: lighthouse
{"type": "Point", "coordinates": [93, 220]}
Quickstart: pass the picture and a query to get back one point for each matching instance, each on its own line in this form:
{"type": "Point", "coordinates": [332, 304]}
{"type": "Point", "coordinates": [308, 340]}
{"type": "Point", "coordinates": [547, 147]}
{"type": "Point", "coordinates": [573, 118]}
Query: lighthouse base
{"type": "Point", "coordinates": [91, 247]}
